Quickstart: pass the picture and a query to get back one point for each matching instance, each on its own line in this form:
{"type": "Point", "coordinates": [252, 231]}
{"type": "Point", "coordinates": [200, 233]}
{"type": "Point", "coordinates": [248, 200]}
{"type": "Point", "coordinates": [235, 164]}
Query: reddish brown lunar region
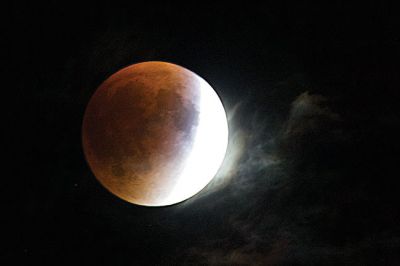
{"type": "Point", "coordinates": [139, 127]}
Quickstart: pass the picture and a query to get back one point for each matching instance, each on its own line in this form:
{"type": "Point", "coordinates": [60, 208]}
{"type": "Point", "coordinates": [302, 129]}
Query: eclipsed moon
{"type": "Point", "coordinates": [154, 133]}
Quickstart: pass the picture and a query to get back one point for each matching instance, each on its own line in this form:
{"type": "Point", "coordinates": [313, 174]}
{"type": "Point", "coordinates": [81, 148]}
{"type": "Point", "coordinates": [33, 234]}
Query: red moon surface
{"type": "Point", "coordinates": [154, 133]}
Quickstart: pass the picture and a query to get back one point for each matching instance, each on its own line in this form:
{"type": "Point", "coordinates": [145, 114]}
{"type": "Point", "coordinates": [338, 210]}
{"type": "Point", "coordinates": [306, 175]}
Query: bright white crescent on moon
{"type": "Point", "coordinates": [155, 133]}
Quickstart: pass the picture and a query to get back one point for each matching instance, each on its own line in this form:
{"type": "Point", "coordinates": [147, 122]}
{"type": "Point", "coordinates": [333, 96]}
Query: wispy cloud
{"type": "Point", "coordinates": [258, 172]}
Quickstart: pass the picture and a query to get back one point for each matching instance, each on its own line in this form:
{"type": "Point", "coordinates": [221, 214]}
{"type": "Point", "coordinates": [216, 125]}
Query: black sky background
{"type": "Point", "coordinates": [311, 93]}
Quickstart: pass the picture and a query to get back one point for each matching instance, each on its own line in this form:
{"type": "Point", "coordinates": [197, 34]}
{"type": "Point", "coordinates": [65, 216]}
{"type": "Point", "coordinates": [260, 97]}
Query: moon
{"type": "Point", "coordinates": [154, 133]}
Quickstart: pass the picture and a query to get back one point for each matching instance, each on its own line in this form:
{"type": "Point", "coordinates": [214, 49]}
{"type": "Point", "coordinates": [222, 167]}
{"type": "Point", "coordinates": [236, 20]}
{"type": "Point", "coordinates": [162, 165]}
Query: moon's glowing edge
{"type": "Point", "coordinates": [208, 150]}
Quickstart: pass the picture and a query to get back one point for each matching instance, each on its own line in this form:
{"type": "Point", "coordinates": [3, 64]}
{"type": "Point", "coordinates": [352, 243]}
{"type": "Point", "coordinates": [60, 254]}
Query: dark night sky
{"type": "Point", "coordinates": [312, 95]}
